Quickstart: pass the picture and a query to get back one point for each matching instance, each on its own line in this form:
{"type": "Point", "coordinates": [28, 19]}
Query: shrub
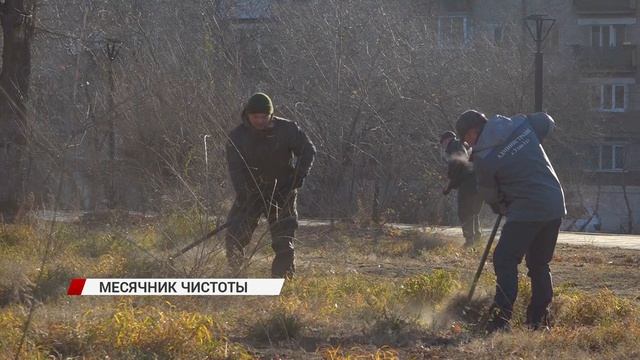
{"type": "Point", "coordinates": [280, 326]}
{"type": "Point", "coordinates": [325, 295]}
{"type": "Point", "coordinates": [580, 309]}
{"type": "Point", "coordinates": [12, 235]}
{"type": "Point", "coordinates": [391, 328]}
{"type": "Point", "coordinates": [430, 288]}
{"type": "Point", "coordinates": [181, 226]}
{"type": "Point", "coordinates": [97, 245]}
{"type": "Point", "coordinates": [53, 283]}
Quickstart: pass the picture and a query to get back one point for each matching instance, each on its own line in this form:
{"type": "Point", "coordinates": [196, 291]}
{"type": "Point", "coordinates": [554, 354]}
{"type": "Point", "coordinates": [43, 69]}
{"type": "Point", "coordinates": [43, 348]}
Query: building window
{"type": "Point", "coordinates": [498, 33]}
{"type": "Point", "coordinates": [453, 31]}
{"type": "Point", "coordinates": [613, 97]}
{"type": "Point", "coordinates": [611, 157]}
{"type": "Point", "coordinates": [607, 35]}
{"type": "Point", "coordinates": [250, 10]}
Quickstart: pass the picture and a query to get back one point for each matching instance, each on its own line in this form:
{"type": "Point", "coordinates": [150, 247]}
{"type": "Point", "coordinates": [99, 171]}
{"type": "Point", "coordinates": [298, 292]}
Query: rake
{"type": "Point", "coordinates": [483, 260]}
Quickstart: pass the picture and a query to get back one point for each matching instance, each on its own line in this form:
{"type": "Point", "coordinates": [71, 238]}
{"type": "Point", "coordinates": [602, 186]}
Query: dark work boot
{"type": "Point", "coordinates": [538, 319]}
{"type": "Point", "coordinates": [498, 320]}
{"type": "Point", "coordinates": [283, 264]}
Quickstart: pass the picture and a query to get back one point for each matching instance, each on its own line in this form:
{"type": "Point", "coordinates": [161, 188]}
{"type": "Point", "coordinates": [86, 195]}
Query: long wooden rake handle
{"type": "Point", "coordinates": [201, 240]}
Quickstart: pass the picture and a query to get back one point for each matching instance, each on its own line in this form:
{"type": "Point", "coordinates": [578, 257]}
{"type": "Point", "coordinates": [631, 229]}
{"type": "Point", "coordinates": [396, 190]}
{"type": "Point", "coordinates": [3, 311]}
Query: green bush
{"type": "Point", "coordinates": [430, 288]}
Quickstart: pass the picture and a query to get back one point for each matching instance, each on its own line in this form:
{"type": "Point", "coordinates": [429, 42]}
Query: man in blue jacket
{"type": "Point", "coordinates": [516, 178]}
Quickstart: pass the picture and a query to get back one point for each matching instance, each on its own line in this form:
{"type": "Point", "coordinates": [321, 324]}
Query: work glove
{"type": "Point", "coordinates": [448, 188]}
{"type": "Point", "coordinates": [287, 186]}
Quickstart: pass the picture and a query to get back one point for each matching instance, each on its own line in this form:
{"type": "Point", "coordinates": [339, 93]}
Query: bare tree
{"type": "Point", "coordinates": [373, 87]}
{"type": "Point", "coordinates": [16, 18]}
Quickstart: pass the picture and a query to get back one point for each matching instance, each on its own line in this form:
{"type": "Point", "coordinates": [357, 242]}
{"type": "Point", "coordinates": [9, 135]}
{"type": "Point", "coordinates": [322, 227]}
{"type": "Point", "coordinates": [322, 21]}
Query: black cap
{"type": "Point", "coordinates": [468, 120]}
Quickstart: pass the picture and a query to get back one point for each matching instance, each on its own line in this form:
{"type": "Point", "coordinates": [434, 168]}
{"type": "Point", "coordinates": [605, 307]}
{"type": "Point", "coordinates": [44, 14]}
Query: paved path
{"type": "Point", "coordinates": [631, 242]}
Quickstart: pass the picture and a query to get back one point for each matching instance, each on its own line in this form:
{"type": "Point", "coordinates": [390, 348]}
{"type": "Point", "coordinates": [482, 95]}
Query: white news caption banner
{"type": "Point", "coordinates": [110, 287]}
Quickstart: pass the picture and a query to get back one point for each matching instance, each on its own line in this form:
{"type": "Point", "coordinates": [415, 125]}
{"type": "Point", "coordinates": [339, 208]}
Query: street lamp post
{"type": "Point", "coordinates": [539, 27]}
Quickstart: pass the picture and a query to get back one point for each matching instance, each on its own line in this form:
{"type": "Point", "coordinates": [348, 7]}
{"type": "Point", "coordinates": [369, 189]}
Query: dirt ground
{"type": "Point", "coordinates": [388, 255]}
{"type": "Point", "coordinates": [584, 267]}
{"type": "Point", "coordinates": [359, 293]}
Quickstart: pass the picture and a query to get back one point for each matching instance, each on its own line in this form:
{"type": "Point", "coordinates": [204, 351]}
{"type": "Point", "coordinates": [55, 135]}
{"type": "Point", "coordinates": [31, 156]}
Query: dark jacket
{"type": "Point", "coordinates": [461, 177]}
{"type": "Point", "coordinates": [512, 168]}
{"type": "Point", "coordinates": [257, 158]}
{"type": "Point", "coordinates": [459, 169]}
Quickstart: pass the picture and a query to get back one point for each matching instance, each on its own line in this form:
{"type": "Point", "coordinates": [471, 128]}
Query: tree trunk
{"type": "Point", "coordinates": [111, 185]}
{"type": "Point", "coordinates": [375, 211]}
{"type": "Point", "coordinates": [595, 210]}
{"type": "Point", "coordinates": [17, 31]}
{"type": "Point", "coordinates": [626, 202]}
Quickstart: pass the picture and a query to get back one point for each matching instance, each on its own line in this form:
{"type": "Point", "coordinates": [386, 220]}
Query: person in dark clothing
{"type": "Point", "coordinates": [260, 156]}
{"type": "Point", "coordinates": [461, 177]}
{"type": "Point", "coordinates": [517, 179]}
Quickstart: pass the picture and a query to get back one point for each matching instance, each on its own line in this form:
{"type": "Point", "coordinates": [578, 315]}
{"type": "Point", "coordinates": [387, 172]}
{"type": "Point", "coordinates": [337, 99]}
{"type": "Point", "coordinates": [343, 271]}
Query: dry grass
{"type": "Point", "coordinates": [125, 331]}
{"type": "Point", "coordinates": [430, 288]}
{"type": "Point", "coordinates": [358, 353]}
{"type": "Point", "coordinates": [279, 326]}
{"type": "Point", "coordinates": [359, 294]}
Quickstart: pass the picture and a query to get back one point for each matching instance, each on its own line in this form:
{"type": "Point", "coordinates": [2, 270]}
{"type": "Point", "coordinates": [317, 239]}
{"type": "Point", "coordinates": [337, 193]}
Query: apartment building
{"type": "Point", "coordinates": [605, 45]}
{"type": "Point", "coordinates": [599, 37]}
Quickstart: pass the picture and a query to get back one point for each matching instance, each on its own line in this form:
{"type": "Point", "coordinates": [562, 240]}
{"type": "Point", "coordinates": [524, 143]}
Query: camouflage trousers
{"type": "Point", "coordinates": [282, 216]}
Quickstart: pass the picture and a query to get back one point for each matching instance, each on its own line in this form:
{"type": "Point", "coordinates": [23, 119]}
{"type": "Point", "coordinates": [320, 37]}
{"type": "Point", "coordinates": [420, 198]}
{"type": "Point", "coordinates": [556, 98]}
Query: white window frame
{"type": "Point", "coordinates": [466, 30]}
{"type": "Point", "coordinates": [616, 150]}
{"type": "Point", "coordinates": [613, 98]}
{"type": "Point", "coordinates": [612, 34]}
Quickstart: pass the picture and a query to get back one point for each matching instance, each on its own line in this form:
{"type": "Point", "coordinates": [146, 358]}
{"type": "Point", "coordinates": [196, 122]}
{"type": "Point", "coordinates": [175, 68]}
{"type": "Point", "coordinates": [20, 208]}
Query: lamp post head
{"type": "Point", "coordinates": [539, 27]}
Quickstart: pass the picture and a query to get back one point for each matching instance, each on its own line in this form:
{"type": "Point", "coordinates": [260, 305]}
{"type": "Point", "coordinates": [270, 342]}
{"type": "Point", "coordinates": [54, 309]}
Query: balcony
{"type": "Point", "coordinates": [605, 7]}
{"type": "Point", "coordinates": [621, 59]}
{"type": "Point", "coordinates": [455, 6]}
